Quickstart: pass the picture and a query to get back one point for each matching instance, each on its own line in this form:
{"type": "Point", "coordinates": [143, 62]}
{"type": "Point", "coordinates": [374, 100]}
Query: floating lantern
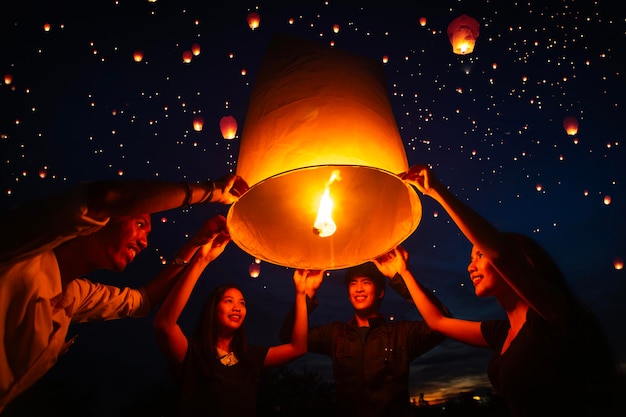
{"type": "Point", "coordinates": [187, 57]}
{"type": "Point", "coordinates": [198, 123]}
{"type": "Point", "coordinates": [570, 124]}
{"type": "Point", "coordinates": [618, 263]}
{"type": "Point", "coordinates": [254, 270]}
{"type": "Point", "coordinates": [138, 55]}
{"type": "Point", "coordinates": [254, 20]}
{"type": "Point", "coordinates": [462, 33]}
{"type": "Point", "coordinates": [320, 148]}
{"type": "Point", "coordinates": [422, 21]}
{"type": "Point", "coordinates": [228, 127]}
{"type": "Point", "coordinates": [195, 49]}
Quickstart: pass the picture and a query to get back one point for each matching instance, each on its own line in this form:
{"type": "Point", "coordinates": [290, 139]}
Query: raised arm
{"type": "Point", "coordinates": [434, 313]}
{"type": "Point", "coordinates": [132, 197]}
{"type": "Point", "coordinates": [506, 258]}
{"type": "Point", "coordinates": [169, 336]}
{"type": "Point", "coordinates": [297, 345]}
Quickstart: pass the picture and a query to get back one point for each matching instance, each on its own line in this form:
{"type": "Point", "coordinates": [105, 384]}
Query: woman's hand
{"type": "Point", "coordinates": [393, 262]}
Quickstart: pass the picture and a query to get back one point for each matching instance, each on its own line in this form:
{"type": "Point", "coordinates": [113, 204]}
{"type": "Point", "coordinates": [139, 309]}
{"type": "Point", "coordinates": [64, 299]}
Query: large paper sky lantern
{"type": "Point", "coordinates": [462, 33]}
{"type": "Point", "coordinates": [320, 150]}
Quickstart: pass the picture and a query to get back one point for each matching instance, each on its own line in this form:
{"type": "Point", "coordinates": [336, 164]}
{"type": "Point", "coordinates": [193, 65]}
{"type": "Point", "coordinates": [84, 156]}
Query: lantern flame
{"type": "Point", "coordinates": [324, 224]}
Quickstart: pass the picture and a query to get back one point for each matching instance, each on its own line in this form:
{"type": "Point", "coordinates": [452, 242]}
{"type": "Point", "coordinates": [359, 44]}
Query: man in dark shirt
{"type": "Point", "coordinates": [370, 355]}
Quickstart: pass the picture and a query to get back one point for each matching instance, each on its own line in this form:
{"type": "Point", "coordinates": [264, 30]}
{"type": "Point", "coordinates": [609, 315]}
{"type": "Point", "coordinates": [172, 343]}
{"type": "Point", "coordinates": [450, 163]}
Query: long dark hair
{"type": "Point", "coordinates": [597, 359]}
{"type": "Point", "coordinates": [202, 342]}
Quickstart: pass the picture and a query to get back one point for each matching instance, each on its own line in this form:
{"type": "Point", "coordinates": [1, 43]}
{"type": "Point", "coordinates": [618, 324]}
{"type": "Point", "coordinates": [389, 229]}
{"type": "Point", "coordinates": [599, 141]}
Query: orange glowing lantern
{"type": "Point", "coordinates": [462, 33]}
{"type": "Point", "coordinates": [198, 123]}
{"type": "Point", "coordinates": [195, 49]}
{"type": "Point", "coordinates": [228, 127]}
{"type": "Point", "coordinates": [254, 270]}
{"type": "Point", "coordinates": [254, 20]}
{"type": "Point", "coordinates": [8, 79]}
{"type": "Point", "coordinates": [570, 124]}
{"type": "Point", "coordinates": [618, 263]}
{"type": "Point", "coordinates": [321, 150]}
{"type": "Point", "coordinates": [422, 21]}
{"type": "Point", "coordinates": [138, 55]}
{"type": "Point", "coordinates": [187, 57]}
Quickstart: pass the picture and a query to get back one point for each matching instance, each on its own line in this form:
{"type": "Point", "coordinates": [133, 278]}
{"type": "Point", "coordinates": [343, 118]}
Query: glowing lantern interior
{"type": "Point", "coordinates": [570, 124]}
{"type": "Point", "coordinates": [319, 124]}
{"type": "Point", "coordinates": [462, 33]}
{"type": "Point", "coordinates": [198, 123]}
{"type": "Point", "coordinates": [254, 20]}
{"type": "Point", "coordinates": [228, 127]}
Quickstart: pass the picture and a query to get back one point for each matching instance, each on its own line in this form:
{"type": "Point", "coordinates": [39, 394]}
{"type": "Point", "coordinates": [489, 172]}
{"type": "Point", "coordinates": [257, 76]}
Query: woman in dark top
{"type": "Point", "coordinates": [551, 357]}
{"type": "Point", "coordinates": [216, 370]}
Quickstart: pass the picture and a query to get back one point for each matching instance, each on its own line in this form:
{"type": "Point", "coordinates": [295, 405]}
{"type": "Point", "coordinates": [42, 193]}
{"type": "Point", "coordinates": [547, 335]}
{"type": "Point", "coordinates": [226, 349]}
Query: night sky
{"type": "Point", "coordinates": [76, 106]}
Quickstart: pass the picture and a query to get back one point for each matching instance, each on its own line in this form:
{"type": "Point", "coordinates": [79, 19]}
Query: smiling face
{"type": "Point", "coordinates": [122, 239]}
{"type": "Point", "coordinates": [483, 275]}
{"type": "Point", "coordinates": [231, 310]}
{"type": "Point", "coordinates": [363, 295]}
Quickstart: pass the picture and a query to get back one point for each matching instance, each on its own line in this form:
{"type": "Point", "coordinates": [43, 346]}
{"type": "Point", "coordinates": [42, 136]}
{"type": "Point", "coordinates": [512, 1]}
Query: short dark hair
{"type": "Point", "coordinates": [368, 270]}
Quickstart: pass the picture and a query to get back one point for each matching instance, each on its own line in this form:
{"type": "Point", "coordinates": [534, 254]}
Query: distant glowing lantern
{"type": "Point", "coordinates": [618, 263]}
{"type": "Point", "coordinates": [336, 28]}
{"type": "Point", "coordinates": [8, 79]}
{"type": "Point", "coordinates": [228, 127]}
{"type": "Point", "coordinates": [607, 200]}
{"type": "Point", "coordinates": [195, 49]}
{"type": "Point", "coordinates": [198, 123]}
{"type": "Point", "coordinates": [320, 150]}
{"type": "Point", "coordinates": [187, 57]}
{"type": "Point", "coordinates": [462, 33]}
{"type": "Point", "coordinates": [422, 21]}
{"type": "Point", "coordinates": [138, 55]}
{"type": "Point", "coordinates": [385, 59]}
{"type": "Point", "coordinates": [46, 27]}
{"type": "Point", "coordinates": [254, 270]}
{"type": "Point", "coordinates": [254, 19]}
{"type": "Point", "coordinates": [570, 124]}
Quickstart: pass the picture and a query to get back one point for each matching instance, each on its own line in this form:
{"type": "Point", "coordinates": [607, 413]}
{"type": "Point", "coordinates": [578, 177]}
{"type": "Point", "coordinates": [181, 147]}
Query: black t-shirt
{"type": "Point", "coordinates": [548, 370]}
{"type": "Point", "coordinates": [228, 391]}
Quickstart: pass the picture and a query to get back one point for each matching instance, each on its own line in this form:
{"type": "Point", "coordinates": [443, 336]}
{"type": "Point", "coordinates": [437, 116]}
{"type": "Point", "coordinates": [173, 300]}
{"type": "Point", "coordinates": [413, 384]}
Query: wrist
{"type": "Point", "coordinates": [179, 261]}
{"type": "Point", "coordinates": [209, 189]}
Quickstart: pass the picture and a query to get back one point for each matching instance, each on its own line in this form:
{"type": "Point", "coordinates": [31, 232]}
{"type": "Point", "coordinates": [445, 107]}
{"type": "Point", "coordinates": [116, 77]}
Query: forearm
{"type": "Point", "coordinates": [134, 197]}
{"type": "Point", "coordinates": [475, 227]}
{"type": "Point", "coordinates": [176, 300]}
{"type": "Point", "coordinates": [300, 326]}
{"type": "Point", "coordinates": [431, 311]}
{"type": "Point", "coordinates": [161, 285]}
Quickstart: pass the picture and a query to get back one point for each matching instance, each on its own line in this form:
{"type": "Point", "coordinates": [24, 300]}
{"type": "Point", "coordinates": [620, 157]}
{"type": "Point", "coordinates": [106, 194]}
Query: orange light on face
{"type": "Point", "coordinates": [324, 224]}
{"type": "Point", "coordinates": [462, 33]}
{"type": "Point", "coordinates": [254, 20]}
